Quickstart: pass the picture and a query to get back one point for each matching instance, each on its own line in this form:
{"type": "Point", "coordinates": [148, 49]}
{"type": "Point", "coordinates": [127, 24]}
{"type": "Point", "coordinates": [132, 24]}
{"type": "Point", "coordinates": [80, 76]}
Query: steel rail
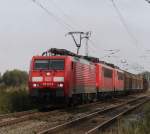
{"type": "Point", "coordinates": [22, 119]}
{"type": "Point", "coordinates": [107, 122]}
{"type": "Point", "coordinates": [17, 114]}
{"type": "Point", "coordinates": [31, 114]}
{"type": "Point", "coordinates": [14, 118]}
{"type": "Point", "coordinates": [93, 114]}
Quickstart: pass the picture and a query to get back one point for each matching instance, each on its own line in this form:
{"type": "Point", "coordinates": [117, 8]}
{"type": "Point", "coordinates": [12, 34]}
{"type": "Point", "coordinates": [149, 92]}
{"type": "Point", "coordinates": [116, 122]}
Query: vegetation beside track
{"type": "Point", "coordinates": [14, 78]}
{"type": "Point", "coordinates": [140, 124]}
{"type": "Point", "coordinates": [13, 92]}
{"type": "Point", "coordinates": [14, 101]}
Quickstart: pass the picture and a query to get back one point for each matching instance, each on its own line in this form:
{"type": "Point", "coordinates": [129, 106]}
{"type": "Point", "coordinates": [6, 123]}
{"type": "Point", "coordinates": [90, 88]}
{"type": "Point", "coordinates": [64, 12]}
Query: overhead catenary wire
{"type": "Point", "coordinates": [93, 44]}
{"type": "Point", "coordinates": [148, 1]}
{"type": "Point", "coordinates": [67, 26]}
{"type": "Point", "coordinates": [124, 22]}
{"type": "Point", "coordinates": [71, 20]}
{"type": "Point", "coordinates": [59, 20]}
{"type": "Point", "coordinates": [60, 9]}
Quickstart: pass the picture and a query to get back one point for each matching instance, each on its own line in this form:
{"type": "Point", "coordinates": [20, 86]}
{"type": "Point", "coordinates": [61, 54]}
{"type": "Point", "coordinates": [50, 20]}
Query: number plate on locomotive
{"type": "Point", "coordinates": [48, 78]}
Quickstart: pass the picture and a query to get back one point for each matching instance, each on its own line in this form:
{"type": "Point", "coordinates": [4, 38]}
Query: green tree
{"type": "Point", "coordinates": [15, 78]}
{"type": "Point", "coordinates": [0, 78]}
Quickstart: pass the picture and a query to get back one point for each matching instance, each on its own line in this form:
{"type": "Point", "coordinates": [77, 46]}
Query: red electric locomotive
{"type": "Point", "coordinates": [110, 79]}
{"type": "Point", "coordinates": [59, 76]}
{"type": "Point", "coordinates": [105, 78]}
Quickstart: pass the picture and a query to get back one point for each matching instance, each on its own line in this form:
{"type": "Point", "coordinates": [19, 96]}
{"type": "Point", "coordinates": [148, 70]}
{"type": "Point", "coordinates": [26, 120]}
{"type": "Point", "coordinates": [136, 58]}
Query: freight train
{"type": "Point", "coordinates": [59, 75]}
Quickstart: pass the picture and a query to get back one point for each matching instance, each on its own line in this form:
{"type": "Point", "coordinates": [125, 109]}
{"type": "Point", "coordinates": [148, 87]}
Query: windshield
{"type": "Point", "coordinates": [49, 64]}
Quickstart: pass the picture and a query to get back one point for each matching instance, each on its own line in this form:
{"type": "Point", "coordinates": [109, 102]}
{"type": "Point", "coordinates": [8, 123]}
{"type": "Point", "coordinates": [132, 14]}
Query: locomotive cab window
{"type": "Point", "coordinates": [41, 64]}
{"type": "Point", "coordinates": [107, 73]}
{"type": "Point", "coordinates": [56, 64]}
{"type": "Point", "coordinates": [49, 64]}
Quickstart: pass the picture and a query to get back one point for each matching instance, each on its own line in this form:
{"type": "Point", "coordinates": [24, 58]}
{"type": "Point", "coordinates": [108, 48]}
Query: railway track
{"type": "Point", "coordinates": [53, 115]}
{"type": "Point", "coordinates": [93, 122]}
{"type": "Point", "coordinates": [14, 118]}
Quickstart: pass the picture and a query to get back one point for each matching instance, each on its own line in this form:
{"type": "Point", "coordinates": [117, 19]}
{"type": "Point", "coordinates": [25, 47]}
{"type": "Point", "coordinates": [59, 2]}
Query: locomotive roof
{"type": "Point", "coordinates": [64, 52]}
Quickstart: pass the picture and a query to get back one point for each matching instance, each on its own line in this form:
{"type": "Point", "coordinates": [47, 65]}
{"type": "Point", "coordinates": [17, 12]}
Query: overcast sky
{"type": "Point", "coordinates": [26, 30]}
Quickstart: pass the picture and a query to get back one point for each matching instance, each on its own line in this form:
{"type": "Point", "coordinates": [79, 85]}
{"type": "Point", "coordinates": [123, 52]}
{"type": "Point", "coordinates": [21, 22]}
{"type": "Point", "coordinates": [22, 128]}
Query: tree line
{"type": "Point", "coordinates": [14, 78]}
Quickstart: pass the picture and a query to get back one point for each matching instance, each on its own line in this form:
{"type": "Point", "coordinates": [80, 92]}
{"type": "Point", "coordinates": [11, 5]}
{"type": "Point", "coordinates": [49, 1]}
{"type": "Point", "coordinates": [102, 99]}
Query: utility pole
{"type": "Point", "coordinates": [81, 35]}
{"type": "Point", "coordinates": [87, 36]}
{"type": "Point", "coordinates": [78, 44]}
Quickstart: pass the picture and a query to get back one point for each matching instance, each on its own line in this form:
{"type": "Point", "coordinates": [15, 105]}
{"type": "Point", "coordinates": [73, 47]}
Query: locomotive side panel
{"type": "Point", "coordinates": [84, 77]}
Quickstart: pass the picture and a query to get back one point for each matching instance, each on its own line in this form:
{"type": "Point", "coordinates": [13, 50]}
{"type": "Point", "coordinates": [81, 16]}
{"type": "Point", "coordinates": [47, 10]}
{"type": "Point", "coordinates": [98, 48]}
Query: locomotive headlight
{"type": "Point", "coordinates": [60, 85]}
{"type": "Point", "coordinates": [34, 85]}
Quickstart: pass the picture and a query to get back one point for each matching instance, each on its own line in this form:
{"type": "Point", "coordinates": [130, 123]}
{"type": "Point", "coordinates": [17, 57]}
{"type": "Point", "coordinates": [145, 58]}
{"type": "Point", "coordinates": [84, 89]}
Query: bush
{"type": "Point", "coordinates": [13, 92]}
{"type": "Point", "coordinates": [15, 78]}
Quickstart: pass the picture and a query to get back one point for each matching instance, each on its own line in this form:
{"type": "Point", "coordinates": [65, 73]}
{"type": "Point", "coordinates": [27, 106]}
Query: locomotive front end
{"type": "Point", "coordinates": [47, 77]}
